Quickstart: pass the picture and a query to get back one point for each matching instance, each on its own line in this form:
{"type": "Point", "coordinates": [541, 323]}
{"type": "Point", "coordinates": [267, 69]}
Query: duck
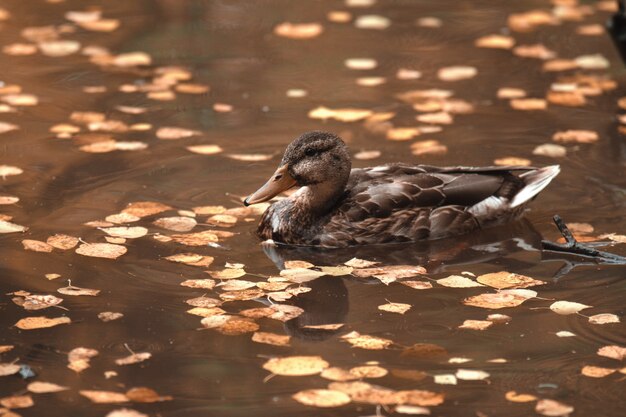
{"type": "Point", "coordinates": [338, 206]}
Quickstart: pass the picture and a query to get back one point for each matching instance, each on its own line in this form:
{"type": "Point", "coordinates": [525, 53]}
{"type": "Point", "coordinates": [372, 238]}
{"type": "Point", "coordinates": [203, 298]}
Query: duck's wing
{"type": "Point", "coordinates": [402, 202]}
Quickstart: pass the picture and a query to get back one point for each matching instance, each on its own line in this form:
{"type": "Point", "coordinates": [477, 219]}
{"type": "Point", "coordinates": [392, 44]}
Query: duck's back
{"type": "Point", "coordinates": [395, 203]}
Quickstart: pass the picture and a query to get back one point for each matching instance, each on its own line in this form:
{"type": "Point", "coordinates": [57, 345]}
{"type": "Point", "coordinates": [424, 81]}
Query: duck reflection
{"type": "Point", "coordinates": [518, 245]}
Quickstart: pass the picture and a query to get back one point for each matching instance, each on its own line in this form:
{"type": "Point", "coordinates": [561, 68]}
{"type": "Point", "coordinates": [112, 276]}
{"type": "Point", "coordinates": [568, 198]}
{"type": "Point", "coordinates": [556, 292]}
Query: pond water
{"type": "Point", "coordinates": [250, 112]}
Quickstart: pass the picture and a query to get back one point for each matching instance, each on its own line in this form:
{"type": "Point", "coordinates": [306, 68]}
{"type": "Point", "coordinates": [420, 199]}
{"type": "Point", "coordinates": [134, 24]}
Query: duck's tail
{"type": "Point", "coordinates": [535, 181]}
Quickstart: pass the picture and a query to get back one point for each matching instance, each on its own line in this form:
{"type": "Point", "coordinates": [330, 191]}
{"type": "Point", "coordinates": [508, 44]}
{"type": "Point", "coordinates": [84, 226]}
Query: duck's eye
{"type": "Point", "coordinates": [310, 152]}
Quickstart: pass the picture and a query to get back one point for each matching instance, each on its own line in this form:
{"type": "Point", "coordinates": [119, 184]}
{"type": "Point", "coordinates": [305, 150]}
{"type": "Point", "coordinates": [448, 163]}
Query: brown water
{"type": "Point", "coordinates": [229, 45]}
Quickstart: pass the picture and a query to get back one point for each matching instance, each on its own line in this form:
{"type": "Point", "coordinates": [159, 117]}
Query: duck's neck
{"type": "Point", "coordinates": [318, 200]}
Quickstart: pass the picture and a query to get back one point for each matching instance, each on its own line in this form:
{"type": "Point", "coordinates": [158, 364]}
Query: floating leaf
{"type": "Point", "coordinates": [125, 412]}
{"type": "Point", "coordinates": [298, 30]}
{"type": "Point", "coordinates": [567, 307]}
{"type": "Point", "coordinates": [461, 72]}
{"type": "Point", "coordinates": [79, 358]}
{"type": "Point", "coordinates": [359, 263]}
{"type": "Point", "coordinates": [424, 351]}
{"type": "Point", "coordinates": [613, 352]}
{"type": "Point", "coordinates": [227, 273]}
{"type": "Point", "coordinates": [513, 396]}
{"type": "Point", "coordinates": [41, 322]}
{"type": "Point", "coordinates": [9, 369]}
{"type": "Point", "coordinates": [366, 341]}
{"type": "Point", "coordinates": [550, 150]}
{"type": "Point", "coordinates": [471, 375]}
{"type": "Point", "coordinates": [323, 398]}
{"type": "Point", "coordinates": [296, 365]}
{"type": "Point", "coordinates": [126, 232]}
{"type": "Point", "coordinates": [271, 338]}
{"type": "Point", "coordinates": [104, 397]}
{"type": "Point", "coordinates": [76, 291]}
{"type": "Point", "coordinates": [458, 281]}
{"type": "Point", "coordinates": [604, 318]}
{"type": "Point", "coordinates": [576, 136]}
{"type": "Point", "coordinates": [207, 283]}
{"type": "Point", "coordinates": [503, 279]}
{"type": "Point", "coordinates": [40, 387]}
{"type": "Point", "coordinates": [192, 259]}
{"type": "Point", "coordinates": [106, 316]}
{"type": "Point", "coordinates": [417, 285]}
{"type": "Point", "coordinates": [368, 371]}
{"type": "Point", "coordinates": [101, 250]}
{"type": "Point", "coordinates": [399, 308]}
{"type": "Point", "coordinates": [205, 149]}
{"type": "Point", "coordinates": [476, 324]}
{"type": "Point", "coordinates": [59, 48]}
{"type": "Point", "coordinates": [300, 275]}
{"type": "Point", "coordinates": [553, 408]}
{"type": "Point", "coordinates": [134, 358]}
{"type": "Point", "coordinates": [295, 264]}
{"type": "Point", "coordinates": [37, 302]}
{"type": "Point", "coordinates": [596, 371]}
{"type": "Point", "coordinates": [529, 104]}
{"type": "Point", "coordinates": [145, 208]}
{"type": "Point", "coordinates": [16, 401]}
{"type": "Point", "coordinates": [445, 379]}
{"type": "Point", "coordinates": [494, 301]}
{"type": "Point", "coordinates": [495, 42]}
{"type": "Point", "coordinates": [62, 242]}
{"type": "Point", "coordinates": [146, 395]}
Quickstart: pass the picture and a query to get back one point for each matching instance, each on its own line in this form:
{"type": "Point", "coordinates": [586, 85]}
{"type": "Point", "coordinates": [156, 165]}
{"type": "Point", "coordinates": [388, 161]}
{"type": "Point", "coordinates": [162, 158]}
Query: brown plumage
{"type": "Point", "coordinates": [337, 206]}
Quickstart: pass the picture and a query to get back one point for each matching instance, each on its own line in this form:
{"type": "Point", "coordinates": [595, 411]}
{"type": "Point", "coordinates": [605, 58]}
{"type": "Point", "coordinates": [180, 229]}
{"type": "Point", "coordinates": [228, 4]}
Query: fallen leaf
{"type": "Point", "coordinates": [16, 401]}
{"type": "Point", "coordinates": [131, 59]}
{"type": "Point", "coordinates": [40, 387]}
{"type": "Point", "coordinates": [106, 316]}
{"type": "Point", "coordinates": [37, 302]}
{"type": "Point", "coordinates": [613, 352]}
{"type": "Point", "coordinates": [399, 308]}
{"type": "Point", "coordinates": [146, 395]}
{"type": "Point", "coordinates": [529, 104]}
{"type": "Point", "coordinates": [7, 127]}
{"type": "Point", "coordinates": [301, 275]}
{"type": "Point", "coordinates": [77, 291]}
{"type": "Point", "coordinates": [59, 48]}
{"type": "Point", "coordinates": [298, 30]}
{"type": "Point", "coordinates": [145, 208]}
{"type": "Point", "coordinates": [338, 374]}
{"type": "Point", "coordinates": [9, 369]}
{"type": "Point", "coordinates": [458, 281]}
{"type": "Point", "coordinates": [367, 155]}
{"type": "Point", "coordinates": [205, 149]}
{"type": "Point", "coordinates": [285, 312]}
{"type": "Point", "coordinates": [172, 133]}
{"type": "Point", "coordinates": [576, 136]}
{"type": "Point", "coordinates": [565, 333]}
{"type": "Point", "coordinates": [207, 283]}
{"type": "Point", "coordinates": [417, 285]}
{"type": "Point", "coordinates": [79, 358]}
{"type": "Point", "coordinates": [592, 62]}
{"type": "Point", "coordinates": [513, 396]}
{"type": "Point", "coordinates": [445, 379]}
{"type": "Point", "coordinates": [494, 300]}
{"type": "Point", "coordinates": [550, 150]}
{"type": "Point", "coordinates": [476, 324]}
{"type": "Point", "coordinates": [596, 371]}
{"type": "Point", "coordinates": [604, 318]}
{"type": "Point", "coordinates": [104, 397]}
{"type": "Point", "coordinates": [323, 398]}
{"type": "Point", "coordinates": [495, 42]}
{"type": "Point", "coordinates": [538, 51]}
{"type": "Point", "coordinates": [508, 93]}
{"type": "Point", "coordinates": [192, 259]}
{"type": "Point", "coordinates": [429, 22]}
{"type": "Point", "coordinates": [411, 410]}
{"type": "Point", "coordinates": [8, 170]}
{"type": "Point", "coordinates": [101, 250]}
{"type": "Point", "coordinates": [6, 348]}
{"type": "Point", "coordinates": [503, 279]}
{"type": "Point", "coordinates": [62, 242]}
{"type": "Point", "coordinates": [126, 412]}
{"type": "Point", "coordinates": [361, 63]}
{"type": "Point", "coordinates": [368, 371]}
{"type": "Point", "coordinates": [227, 273]}
{"type": "Point", "coordinates": [512, 161]}
{"type": "Point", "coordinates": [126, 232]}
{"type": "Point", "coordinates": [40, 322]}
{"type": "Point", "coordinates": [366, 341]}
{"type": "Point", "coordinates": [134, 358]}
{"type": "Point", "coordinates": [372, 21]}
{"type": "Point", "coordinates": [457, 73]}
{"type": "Point", "coordinates": [205, 302]}
{"type": "Point", "coordinates": [471, 375]}
{"type": "Point", "coordinates": [36, 246]}
{"type": "Point", "coordinates": [440, 118]}
{"type": "Point", "coordinates": [296, 264]}
{"type": "Point", "coordinates": [499, 318]}
{"type": "Point", "coordinates": [271, 338]}
{"type": "Point", "coordinates": [428, 147]}
{"type": "Point", "coordinates": [342, 115]}
{"type": "Point", "coordinates": [360, 263]}
{"type": "Point", "coordinates": [567, 307]}
{"type": "Point", "coordinates": [296, 365]}
{"type": "Point", "coordinates": [553, 408]}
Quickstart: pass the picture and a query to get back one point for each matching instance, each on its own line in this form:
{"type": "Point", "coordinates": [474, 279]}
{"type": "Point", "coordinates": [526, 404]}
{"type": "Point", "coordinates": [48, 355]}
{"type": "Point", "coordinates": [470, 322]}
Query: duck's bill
{"type": "Point", "coordinates": [279, 181]}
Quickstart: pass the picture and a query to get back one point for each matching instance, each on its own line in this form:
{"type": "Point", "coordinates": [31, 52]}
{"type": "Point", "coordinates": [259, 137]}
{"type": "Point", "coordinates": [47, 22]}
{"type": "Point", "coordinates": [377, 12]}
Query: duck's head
{"type": "Point", "coordinates": [315, 159]}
